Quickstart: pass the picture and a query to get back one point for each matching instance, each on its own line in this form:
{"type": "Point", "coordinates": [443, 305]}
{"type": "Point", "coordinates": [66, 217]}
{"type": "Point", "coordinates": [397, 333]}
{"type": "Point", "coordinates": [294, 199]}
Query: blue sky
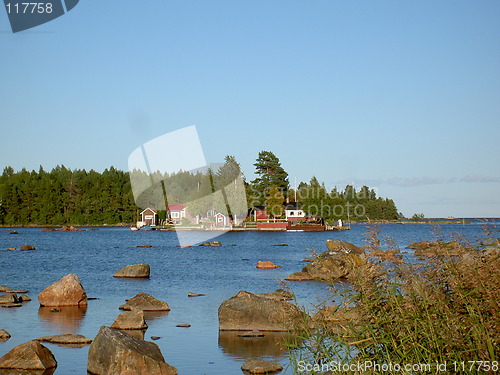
{"type": "Point", "coordinates": [403, 96]}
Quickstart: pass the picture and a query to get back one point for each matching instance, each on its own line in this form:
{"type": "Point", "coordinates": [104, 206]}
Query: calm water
{"type": "Point", "coordinates": [217, 272]}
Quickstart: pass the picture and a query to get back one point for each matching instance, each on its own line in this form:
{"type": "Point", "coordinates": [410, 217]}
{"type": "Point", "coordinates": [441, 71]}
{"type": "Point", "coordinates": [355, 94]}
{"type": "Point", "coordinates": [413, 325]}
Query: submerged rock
{"type": "Point", "coordinates": [191, 294]}
{"type": "Point", "coordinates": [145, 302]}
{"type": "Point", "coordinates": [66, 339]}
{"type": "Point", "coordinates": [246, 311]}
{"type": "Point", "coordinates": [299, 276]}
{"type": "Point", "coordinates": [257, 366]}
{"type": "Point", "coordinates": [134, 271]}
{"type": "Point", "coordinates": [68, 291]}
{"type": "Point", "coordinates": [4, 335]}
{"type": "Point", "coordinates": [114, 352]}
{"type": "Point", "coordinates": [267, 264]}
{"type": "Point", "coordinates": [27, 247]}
{"type": "Point", "coordinates": [28, 356]}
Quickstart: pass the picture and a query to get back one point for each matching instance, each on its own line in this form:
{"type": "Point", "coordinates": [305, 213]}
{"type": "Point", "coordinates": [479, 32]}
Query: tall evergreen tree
{"type": "Point", "coordinates": [270, 174]}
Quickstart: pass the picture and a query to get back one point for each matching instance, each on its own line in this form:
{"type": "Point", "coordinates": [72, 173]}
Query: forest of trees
{"type": "Point", "coordinates": [64, 196]}
{"type": "Point", "coordinates": [271, 189]}
{"type": "Point", "coordinates": [79, 197]}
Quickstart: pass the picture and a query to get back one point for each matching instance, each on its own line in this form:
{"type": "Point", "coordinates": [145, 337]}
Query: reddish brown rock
{"type": "Point", "coordinates": [28, 356]}
{"type": "Point", "coordinates": [266, 265]}
{"type": "Point", "coordinates": [68, 291]}
{"type": "Point", "coordinates": [27, 247]}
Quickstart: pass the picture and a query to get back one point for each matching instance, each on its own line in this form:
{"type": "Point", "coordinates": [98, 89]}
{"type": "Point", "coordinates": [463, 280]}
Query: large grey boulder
{"type": "Point", "coordinates": [28, 356]}
{"type": "Point", "coordinates": [246, 311]}
{"type": "Point", "coordinates": [134, 271]}
{"type": "Point", "coordinates": [114, 352]}
{"type": "Point", "coordinates": [68, 291]}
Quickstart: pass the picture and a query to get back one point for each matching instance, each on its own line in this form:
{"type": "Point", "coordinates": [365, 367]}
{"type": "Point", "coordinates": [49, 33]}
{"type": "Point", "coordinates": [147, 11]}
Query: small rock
{"type": "Point", "coordinates": [24, 298]}
{"type": "Point", "coordinates": [130, 320]}
{"type": "Point", "coordinates": [28, 356]}
{"type": "Point", "coordinates": [299, 276]}
{"type": "Point", "coordinates": [66, 339]}
{"type": "Point", "coordinates": [280, 244]}
{"type": "Point", "coordinates": [55, 310]}
{"type": "Point", "coordinates": [184, 325]}
{"type": "Point", "coordinates": [144, 245]}
{"type": "Point", "coordinates": [257, 366]}
{"type": "Point", "coordinates": [4, 335]}
{"type": "Point", "coordinates": [266, 265]}
{"type": "Point", "coordinates": [155, 338]}
{"type": "Point", "coordinates": [49, 229]}
{"type": "Point", "coordinates": [14, 232]}
{"type": "Point", "coordinates": [195, 294]}
{"type": "Point", "coordinates": [9, 298]}
{"type": "Point", "coordinates": [251, 334]}
{"type": "Point", "coordinates": [27, 247]}
{"type": "Point", "coordinates": [134, 271]}
{"type": "Point", "coordinates": [11, 248]}
{"type": "Point", "coordinates": [145, 302]}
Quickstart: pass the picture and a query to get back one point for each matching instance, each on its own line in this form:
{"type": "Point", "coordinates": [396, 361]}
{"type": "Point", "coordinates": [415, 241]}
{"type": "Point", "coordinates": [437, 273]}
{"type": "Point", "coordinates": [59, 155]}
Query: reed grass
{"type": "Point", "coordinates": [442, 312]}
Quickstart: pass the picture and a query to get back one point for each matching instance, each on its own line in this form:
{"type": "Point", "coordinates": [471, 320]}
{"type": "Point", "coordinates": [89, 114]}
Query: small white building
{"type": "Point", "coordinates": [148, 217]}
{"type": "Point", "coordinates": [176, 212]}
{"type": "Point", "coordinates": [294, 212]}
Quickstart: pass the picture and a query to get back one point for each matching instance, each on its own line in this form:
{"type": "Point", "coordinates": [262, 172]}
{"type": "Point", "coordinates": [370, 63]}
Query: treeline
{"type": "Point", "coordinates": [64, 196]}
{"type": "Point", "coordinates": [352, 204]}
{"type": "Point", "coordinates": [272, 189]}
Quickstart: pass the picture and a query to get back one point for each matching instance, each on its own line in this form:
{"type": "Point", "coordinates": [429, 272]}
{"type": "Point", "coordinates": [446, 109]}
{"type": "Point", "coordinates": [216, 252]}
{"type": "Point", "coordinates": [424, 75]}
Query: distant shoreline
{"type": "Point", "coordinates": [373, 222]}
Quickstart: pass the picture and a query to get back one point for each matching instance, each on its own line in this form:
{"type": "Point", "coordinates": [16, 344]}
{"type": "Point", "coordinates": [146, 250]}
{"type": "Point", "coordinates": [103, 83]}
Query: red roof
{"type": "Point", "coordinates": [176, 207]}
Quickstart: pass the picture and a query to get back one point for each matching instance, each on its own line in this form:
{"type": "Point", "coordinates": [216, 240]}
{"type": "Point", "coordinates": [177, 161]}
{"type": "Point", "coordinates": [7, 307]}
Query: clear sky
{"type": "Point", "coordinates": [403, 96]}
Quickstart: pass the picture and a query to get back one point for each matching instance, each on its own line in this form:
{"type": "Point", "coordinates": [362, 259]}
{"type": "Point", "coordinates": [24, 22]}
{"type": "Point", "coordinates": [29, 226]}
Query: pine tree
{"type": "Point", "coordinates": [270, 174]}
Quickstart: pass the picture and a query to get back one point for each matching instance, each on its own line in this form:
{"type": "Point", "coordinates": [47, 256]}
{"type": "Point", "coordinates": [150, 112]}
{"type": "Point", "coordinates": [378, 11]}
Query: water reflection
{"type": "Point", "coordinates": [67, 318]}
{"type": "Point", "coordinates": [271, 344]}
{"type": "Point", "coordinates": [153, 315]}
